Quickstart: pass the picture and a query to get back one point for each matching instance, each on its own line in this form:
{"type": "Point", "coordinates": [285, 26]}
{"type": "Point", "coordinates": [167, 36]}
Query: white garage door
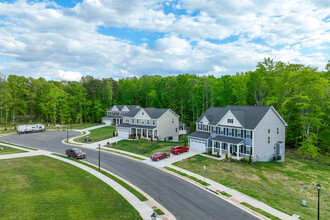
{"type": "Point", "coordinates": [123, 133]}
{"type": "Point", "coordinates": [197, 145]}
{"type": "Point", "coordinates": [107, 122]}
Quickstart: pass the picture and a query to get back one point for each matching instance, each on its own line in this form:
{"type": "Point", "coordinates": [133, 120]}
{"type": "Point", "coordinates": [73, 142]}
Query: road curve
{"type": "Point", "coordinates": [183, 199]}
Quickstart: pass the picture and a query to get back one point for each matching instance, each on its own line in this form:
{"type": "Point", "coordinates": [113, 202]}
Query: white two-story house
{"type": "Point", "coordinates": [241, 131]}
{"type": "Point", "coordinates": [150, 123]}
{"type": "Point", "coordinates": [115, 114]}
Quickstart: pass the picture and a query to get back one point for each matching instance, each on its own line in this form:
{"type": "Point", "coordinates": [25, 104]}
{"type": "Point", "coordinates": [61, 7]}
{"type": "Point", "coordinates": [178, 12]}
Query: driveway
{"type": "Point", "coordinates": [183, 199]}
{"type": "Point", "coordinates": [172, 159]}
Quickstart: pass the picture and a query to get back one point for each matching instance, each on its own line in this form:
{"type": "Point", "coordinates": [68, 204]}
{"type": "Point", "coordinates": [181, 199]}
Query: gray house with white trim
{"type": "Point", "coordinates": [150, 123]}
{"type": "Point", "coordinates": [241, 131]}
{"type": "Point", "coordinates": [116, 113]}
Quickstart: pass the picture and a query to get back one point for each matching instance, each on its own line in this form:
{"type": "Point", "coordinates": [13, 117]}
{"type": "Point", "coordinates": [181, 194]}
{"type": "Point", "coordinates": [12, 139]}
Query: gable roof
{"type": "Point", "coordinates": [248, 116]}
{"type": "Point", "coordinates": [120, 107]}
{"type": "Point", "coordinates": [155, 112]}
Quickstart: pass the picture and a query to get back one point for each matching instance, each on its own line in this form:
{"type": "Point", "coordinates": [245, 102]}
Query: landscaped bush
{"type": "Point", "coordinates": [210, 151]}
{"type": "Point", "coordinates": [244, 160]}
{"type": "Point", "coordinates": [218, 154]}
{"type": "Point", "coordinates": [226, 156]}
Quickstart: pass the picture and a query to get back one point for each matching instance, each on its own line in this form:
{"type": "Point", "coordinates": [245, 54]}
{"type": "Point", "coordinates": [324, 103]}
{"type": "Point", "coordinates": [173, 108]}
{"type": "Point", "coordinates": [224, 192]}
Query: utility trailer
{"type": "Point", "coordinates": [21, 129]}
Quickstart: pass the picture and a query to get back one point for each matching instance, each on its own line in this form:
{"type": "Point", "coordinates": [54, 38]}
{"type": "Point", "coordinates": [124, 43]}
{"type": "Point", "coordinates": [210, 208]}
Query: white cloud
{"type": "Point", "coordinates": [45, 40]}
{"type": "Point", "coordinates": [69, 75]}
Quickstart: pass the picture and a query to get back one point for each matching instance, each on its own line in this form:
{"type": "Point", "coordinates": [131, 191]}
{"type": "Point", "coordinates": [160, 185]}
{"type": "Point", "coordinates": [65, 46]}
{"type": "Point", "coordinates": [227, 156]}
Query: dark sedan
{"type": "Point", "coordinates": [75, 153]}
{"type": "Point", "coordinates": [159, 155]}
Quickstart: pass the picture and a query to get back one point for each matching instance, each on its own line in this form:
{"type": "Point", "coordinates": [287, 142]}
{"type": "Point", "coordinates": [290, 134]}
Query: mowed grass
{"type": "Point", "coordinates": [74, 126]}
{"type": "Point", "coordinates": [281, 185]}
{"type": "Point", "coordinates": [4, 132]}
{"type": "Point", "coordinates": [145, 148]}
{"type": "Point", "coordinates": [98, 134]}
{"type": "Point", "coordinates": [44, 188]}
{"type": "Point", "coordinates": [9, 150]}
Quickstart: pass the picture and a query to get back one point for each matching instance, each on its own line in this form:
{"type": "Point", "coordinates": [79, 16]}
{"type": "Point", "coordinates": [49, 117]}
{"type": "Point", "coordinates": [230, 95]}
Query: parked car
{"type": "Point", "coordinates": [179, 149]}
{"type": "Point", "coordinates": [159, 155]}
{"type": "Point", "coordinates": [75, 153]}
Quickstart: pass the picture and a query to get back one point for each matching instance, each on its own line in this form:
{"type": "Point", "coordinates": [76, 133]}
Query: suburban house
{"type": "Point", "coordinates": [241, 131]}
{"type": "Point", "coordinates": [183, 128]}
{"type": "Point", "coordinates": [149, 123]}
{"type": "Point", "coordinates": [115, 114]}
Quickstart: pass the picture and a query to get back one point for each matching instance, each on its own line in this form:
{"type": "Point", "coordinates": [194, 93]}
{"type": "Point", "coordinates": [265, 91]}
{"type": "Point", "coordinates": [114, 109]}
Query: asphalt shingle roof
{"type": "Point", "coordinates": [126, 125]}
{"type": "Point", "coordinates": [228, 139]}
{"type": "Point", "coordinates": [248, 116]}
{"type": "Point", "coordinates": [200, 134]}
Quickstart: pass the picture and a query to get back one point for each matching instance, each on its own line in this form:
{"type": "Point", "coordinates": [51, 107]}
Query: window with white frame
{"type": "Point", "coordinates": [249, 134]}
{"type": "Point", "coordinates": [148, 122]}
{"type": "Point", "coordinates": [133, 121]}
{"type": "Point", "coordinates": [229, 120]}
{"type": "Point", "coordinates": [142, 121]}
{"type": "Point", "coordinates": [127, 120]}
{"type": "Point", "coordinates": [137, 121]}
{"type": "Point", "coordinates": [205, 127]}
{"type": "Point", "coordinates": [268, 131]}
{"type": "Point", "coordinates": [222, 130]}
{"type": "Point", "coordinates": [268, 140]}
{"type": "Point", "coordinates": [239, 133]}
{"type": "Point", "coordinates": [172, 120]}
{"type": "Point", "coordinates": [176, 129]}
{"type": "Point", "coordinates": [214, 129]}
{"type": "Point", "coordinates": [277, 131]}
{"type": "Point", "coordinates": [243, 149]}
{"type": "Point", "coordinates": [199, 126]}
{"type": "Point", "coordinates": [153, 122]}
{"type": "Point", "coordinates": [249, 150]}
{"type": "Point", "coordinates": [230, 132]}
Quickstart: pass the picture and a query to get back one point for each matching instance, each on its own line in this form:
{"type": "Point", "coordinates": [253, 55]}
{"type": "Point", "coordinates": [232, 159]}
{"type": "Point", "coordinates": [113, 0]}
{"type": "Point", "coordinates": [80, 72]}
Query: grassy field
{"type": "Point", "coordinates": [9, 150]}
{"type": "Point", "coordinates": [74, 126]}
{"type": "Point", "coordinates": [145, 148]}
{"type": "Point", "coordinates": [98, 134]}
{"type": "Point", "coordinates": [8, 131]}
{"type": "Point", "coordinates": [280, 185]}
{"type": "Point", "coordinates": [44, 188]}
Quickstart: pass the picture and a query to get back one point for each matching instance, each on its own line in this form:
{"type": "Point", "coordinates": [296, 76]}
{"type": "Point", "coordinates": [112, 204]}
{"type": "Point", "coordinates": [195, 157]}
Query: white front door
{"type": "Point", "coordinates": [123, 133]}
{"type": "Point", "coordinates": [197, 144]}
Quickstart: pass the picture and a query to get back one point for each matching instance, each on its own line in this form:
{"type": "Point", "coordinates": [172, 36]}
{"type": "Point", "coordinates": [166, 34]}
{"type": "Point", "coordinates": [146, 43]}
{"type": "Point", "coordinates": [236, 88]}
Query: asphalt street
{"type": "Point", "coordinates": [183, 199]}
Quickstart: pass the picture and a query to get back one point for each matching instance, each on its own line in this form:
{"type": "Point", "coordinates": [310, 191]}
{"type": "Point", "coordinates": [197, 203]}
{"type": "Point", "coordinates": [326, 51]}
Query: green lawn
{"type": "Point", "coordinates": [44, 188]}
{"type": "Point", "coordinates": [98, 134]}
{"type": "Point", "coordinates": [8, 131]}
{"type": "Point", "coordinates": [145, 148]}
{"type": "Point", "coordinates": [9, 150]}
{"type": "Point", "coordinates": [280, 185]}
{"type": "Point", "coordinates": [74, 126]}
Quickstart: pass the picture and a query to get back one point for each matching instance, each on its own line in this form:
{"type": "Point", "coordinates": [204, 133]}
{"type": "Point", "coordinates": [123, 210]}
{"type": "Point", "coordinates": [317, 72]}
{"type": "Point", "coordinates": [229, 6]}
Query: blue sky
{"type": "Point", "coordinates": [114, 38]}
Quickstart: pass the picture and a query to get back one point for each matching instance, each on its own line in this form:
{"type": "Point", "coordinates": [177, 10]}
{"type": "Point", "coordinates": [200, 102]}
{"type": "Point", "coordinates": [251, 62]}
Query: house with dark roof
{"type": "Point", "coordinates": [115, 113]}
{"type": "Point", "coordinates": [241, 131]}
{"type": "Point", "coordinates": [149, 123]}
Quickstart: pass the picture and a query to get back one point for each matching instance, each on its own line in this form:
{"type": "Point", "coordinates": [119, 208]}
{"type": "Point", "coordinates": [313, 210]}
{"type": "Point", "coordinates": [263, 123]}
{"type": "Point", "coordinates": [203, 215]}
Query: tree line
{"type": "Point", "coordinates": [299, 93]}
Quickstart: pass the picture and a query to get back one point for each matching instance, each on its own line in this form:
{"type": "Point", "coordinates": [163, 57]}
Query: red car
{"type": "Point", "coordinates": [159, 155]}
{"type": "Point", "coordinates": [179, 149]}
{"type": "Point", "coordinates": [75, 153]}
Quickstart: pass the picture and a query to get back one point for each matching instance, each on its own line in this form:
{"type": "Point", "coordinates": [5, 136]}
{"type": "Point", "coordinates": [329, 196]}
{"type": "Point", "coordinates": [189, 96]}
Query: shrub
{"type": "Point", "coordinates": [210, 151]}
{"type": "Point", "coordinates": [113, 133]}
{"type": "Point", "coordinates": [243, 160]}
{"type": "Point", "coordinates": [218, 154]}
{"type": "Point", "coordinates": [230, 158]}
{"type": "Point", "coordinates": [226, 156]}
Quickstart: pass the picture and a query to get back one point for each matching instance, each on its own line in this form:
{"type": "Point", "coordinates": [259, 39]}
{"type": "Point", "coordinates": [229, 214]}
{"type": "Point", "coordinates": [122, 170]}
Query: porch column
{"type": "Point", "coordinates": [237, 153]}
{"type": "Point", "coordinates": [220, 149]}
{"type": "Point", "coordinates": [135, 133]}
{"type": "Point", "coordinates": [229, 146]}
{"type": "Point", "coordinates": [153, 134]}
{"type": "Point", "coordinates": [212, 144]}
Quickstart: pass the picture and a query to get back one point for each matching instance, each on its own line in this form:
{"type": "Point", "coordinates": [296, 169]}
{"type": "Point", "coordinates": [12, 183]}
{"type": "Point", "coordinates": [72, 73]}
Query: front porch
{"type": "Point", "coordinates": [232, 147]}
{"type": "Point", "coordinates": [144, 133]}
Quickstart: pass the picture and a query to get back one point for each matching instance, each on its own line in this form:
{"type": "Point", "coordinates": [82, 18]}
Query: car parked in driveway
{"type": "Point", "coordinates": [75, 153]}
{"type": "Point", "coordinates": [159, 156]}
{"type": "Point", "coordinates": [179, 149]}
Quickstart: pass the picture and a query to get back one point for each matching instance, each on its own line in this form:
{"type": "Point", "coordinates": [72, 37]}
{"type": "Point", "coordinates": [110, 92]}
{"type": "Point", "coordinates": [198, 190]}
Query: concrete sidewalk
{"type": "Point", "coordinates": [145, 208]}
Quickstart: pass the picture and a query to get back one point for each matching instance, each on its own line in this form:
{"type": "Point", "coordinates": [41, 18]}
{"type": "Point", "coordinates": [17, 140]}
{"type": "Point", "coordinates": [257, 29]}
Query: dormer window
{"type": "Point", "coordinates": [142, 113]}
{"type": "Point", "coordinates": [229, 120]}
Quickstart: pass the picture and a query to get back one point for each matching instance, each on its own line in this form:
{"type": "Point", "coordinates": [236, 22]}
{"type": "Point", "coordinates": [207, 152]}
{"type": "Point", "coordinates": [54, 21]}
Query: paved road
{"type": "Point", "coordinates": [183, 199]}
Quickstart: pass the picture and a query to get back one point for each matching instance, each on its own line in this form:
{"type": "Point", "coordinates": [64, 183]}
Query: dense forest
{"type": "Point", "coordinates": [299, 93]}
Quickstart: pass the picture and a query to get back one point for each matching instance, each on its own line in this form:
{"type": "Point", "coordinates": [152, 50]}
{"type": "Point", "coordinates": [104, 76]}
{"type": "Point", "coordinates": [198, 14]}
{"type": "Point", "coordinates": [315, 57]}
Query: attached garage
{"type": "Point", "coordinates": [106, 120]}
{"type": "Point", "coordinates": [197, 144]}
{"type": "Point", "coordinates": [123, 132]}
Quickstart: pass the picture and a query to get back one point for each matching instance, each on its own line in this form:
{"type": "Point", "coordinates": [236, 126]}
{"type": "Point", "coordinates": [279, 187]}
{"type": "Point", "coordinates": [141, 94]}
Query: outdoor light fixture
{"type": "Point", "coordinates": [318, 200]}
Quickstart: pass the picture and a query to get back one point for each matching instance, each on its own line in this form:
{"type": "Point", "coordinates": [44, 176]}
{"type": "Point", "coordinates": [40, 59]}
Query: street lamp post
{"type": "Point", "coordinates": [318, 200]}
{"type": "Point", "coordinates": [204, 175]}
{"type": "Point", "coordinates": [67, 134]}
{"type": "Point", "coordinates": [99, 156]}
